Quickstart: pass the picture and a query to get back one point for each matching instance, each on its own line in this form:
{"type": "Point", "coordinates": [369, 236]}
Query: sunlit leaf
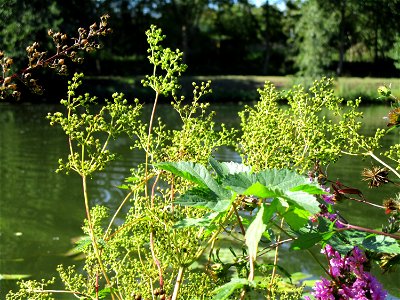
{"type": "Point", "coordinates": [381, 243]}
{"type": "Point", "coordinates": [195, 173]}
{"type": "Point", "coordinates": [201, 197]}
{"type": "Point", "coordinates": [240, 182]}
{"type": "Point", "coordinates": [226, 168]}
{"type": "Point", "coordinates": [258, 227]}
{"type": "Point", "coordinates": [296, 217]}
{"type": "Point", "coordinates": [261, 191]}
{"type": "Point", "coordinates": [304, 200]}
{"type": "Point", "coordinates": [282, 179]}
{"type": "Point", "coordinates": [306, 240]}
{"type": "Point", "coordinates": [309, 188]}
{"type": "Point", "coordinates": [223, 292]}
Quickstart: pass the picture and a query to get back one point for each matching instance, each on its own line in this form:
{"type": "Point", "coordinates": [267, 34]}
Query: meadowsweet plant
{"type": "Point", "coordinates": [182, 208]}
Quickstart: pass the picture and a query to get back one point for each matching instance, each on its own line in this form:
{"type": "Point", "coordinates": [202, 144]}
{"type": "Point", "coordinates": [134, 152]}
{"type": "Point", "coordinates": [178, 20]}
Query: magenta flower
{"type": "Point", "coordinates": [348, 280]}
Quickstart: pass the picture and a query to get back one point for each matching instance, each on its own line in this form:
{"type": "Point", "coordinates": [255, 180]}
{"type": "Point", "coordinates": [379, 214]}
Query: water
{"type": "Point", "coordinates": [41, 212]}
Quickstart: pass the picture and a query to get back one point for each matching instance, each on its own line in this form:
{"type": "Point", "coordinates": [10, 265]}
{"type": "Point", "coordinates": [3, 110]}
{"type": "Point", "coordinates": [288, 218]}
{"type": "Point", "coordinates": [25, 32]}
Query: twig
{"type": "Point", "coordinates": [355, 227]}
{"type": "Point", "coordinates": [178, 283]}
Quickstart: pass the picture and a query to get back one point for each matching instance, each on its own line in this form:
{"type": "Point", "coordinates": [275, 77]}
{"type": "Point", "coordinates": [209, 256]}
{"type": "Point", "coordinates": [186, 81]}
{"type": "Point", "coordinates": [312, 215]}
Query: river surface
{"type": "Point", "coordinates": [41, 212]}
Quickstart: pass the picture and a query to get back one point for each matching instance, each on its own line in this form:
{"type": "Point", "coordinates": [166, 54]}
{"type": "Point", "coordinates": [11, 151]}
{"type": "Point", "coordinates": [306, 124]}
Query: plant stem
{"type": "Point", "coordinates": [156, 261]}
{"type": "Point", "coordinates": [383, 163]}
{"type": "Point", "coordinates": [178, 283]}
{"type": "Point", "coordinates": [149, 137]}
{"type": "Point", "coordinates": [116, 213]}
{"type": "Point", "coordinates": [275, 260]}
{"type": "Point", "coordinates": [91, 233]}
{"type": "Point", "coordinates": [238, 218]}
{"type": "Point", "coordinates": [366, 202]}
{"type": "Point", "coordinates": [355, 227]}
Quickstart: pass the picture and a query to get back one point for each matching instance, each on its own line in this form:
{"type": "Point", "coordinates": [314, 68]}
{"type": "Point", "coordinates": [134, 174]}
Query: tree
{"type": "Point", "coordinates": [23, 22]}
{"type": "Point", "coordinates": [312, 35]}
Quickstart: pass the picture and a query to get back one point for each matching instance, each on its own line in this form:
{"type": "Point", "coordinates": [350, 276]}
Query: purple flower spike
{"type": "Point", "coordinates": [348, 278]}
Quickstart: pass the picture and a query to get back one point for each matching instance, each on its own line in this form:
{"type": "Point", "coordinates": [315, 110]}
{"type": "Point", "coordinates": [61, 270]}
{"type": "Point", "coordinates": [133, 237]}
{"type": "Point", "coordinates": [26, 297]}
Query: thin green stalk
{"type": "Point", "coordinates": [117, 212]}
{"type": "Point", "coordinates": [383, 163]}
{"type": "Point", "coordinates": [92, 235]}
{"type": "Point", "coordinates": [178, 282]}
{"type": "Point", "coordinates": [214, 236]}
{"type": "Point", "coordinates": [275, 261]}
{"type": "Point", "coordinates": [149, 137]}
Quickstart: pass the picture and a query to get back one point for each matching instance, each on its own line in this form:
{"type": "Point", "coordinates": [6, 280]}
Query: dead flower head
{"type": "Point", "coordinates": [376, 176]}
{"type": "Point", "coordinates": [390, 205]}
{"type": "Point", "coordinates": [394, 117]}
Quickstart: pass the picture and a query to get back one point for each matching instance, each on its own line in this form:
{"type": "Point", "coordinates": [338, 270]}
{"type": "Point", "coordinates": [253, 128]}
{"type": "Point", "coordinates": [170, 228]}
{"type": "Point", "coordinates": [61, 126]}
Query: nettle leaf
{"type": "Point", "coordinates": [283, 179]}
{"type": "Point", "coordinates": [306, 240]}
{"type": "Point", "coordinates": [195, 173]}
{"type": "Point", "coordinates": [296, 217]}
{"type": "Point", "coordinates": [223, 292]}
{"type": "Point", "coordinates": [284, 184]}
{"type": "Point", "coordinates": [240, 182]}
{"type": "Point", "coordinates": [258, 227]}
{"type": "Point", "coordinates": [310, 188]}
{"type": "Point", "coordinates": [261, 191]}
{"type": "Point", "coordinates": [200, 222]}
{"type": "Point", "coordinates": [381, 243]}
{"type": "Point", "coordinates": [226, 168]}
{"type": "Point", "coordinates": [203, 197]}
{"type": "Point", "coordinates": [304, 200]}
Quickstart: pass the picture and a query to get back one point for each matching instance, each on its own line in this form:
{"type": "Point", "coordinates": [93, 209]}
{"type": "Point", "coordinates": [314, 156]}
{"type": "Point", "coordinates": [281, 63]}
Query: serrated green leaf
{"type": "Point", "coordinates": [283, 179]}
{"type": "Point", "coordinates": [223, 292]}
{"type": "Point", "coordinates": [296, 217]}
{"type": "Point", "coordinates": [261, 191]}
{"type": "Point", "coordinates": [306, 241]}
{"type": "Point", "coordinates": [81, 244]}
{"type": "Point", "coordinates": [195, 173]}
{"type": "Point", "coordinates": [258, 227]}
{"type": "Point", "coordinates": [239, 182]}
{"type": "Point", "coordinates": [309, 188]}
{"type": "Point", "coordinates": [103, 293]}
{"type": "Point", "coordinates": [381, 243]}
{"type": "Point", "coordinates": [123, 187]}
{"type": "Point", "coordinates": [304, 200]}
{"type": "Point", "coordinates": [226, 168]}
{"type": "Point", "coordinates": [201, 197]}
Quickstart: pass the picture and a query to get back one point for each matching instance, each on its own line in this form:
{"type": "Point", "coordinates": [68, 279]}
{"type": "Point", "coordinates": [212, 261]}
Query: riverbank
{"type": "Point", "coordinates": [236, 88]}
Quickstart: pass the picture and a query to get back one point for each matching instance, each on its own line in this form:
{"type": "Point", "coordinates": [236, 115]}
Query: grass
{"type": "Point", "coordinates": [234, 88]}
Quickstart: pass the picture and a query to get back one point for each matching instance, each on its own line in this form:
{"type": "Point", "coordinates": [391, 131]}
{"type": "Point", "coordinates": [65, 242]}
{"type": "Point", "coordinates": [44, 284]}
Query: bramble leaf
{"type": "Point", "coordinates": [258, 227]}
{"type": "Point", "coordinates": [223, 292]}
{"type": "Point", "coordinates": [195, 173]}
{"type": "Point", "coordinates": [203, 197]}
{"type": "Point", "coordinates": [381, 243]}
{"type": "Point", "coordinates": [306, 240]}
{"type": "Point", "coordinates": [227, 168]}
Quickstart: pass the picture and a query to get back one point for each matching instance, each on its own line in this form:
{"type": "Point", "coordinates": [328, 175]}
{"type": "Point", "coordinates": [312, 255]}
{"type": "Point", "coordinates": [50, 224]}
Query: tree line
{"type": "Point", "coordinates": [304, 37]}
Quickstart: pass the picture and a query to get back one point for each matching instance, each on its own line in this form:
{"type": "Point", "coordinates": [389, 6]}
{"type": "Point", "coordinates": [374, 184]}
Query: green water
{"type": "Point", "coordinates": [41, 212]}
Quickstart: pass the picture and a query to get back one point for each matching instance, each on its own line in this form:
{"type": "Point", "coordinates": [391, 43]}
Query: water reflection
{"type": "Point", "coordinates": [40, 211]}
